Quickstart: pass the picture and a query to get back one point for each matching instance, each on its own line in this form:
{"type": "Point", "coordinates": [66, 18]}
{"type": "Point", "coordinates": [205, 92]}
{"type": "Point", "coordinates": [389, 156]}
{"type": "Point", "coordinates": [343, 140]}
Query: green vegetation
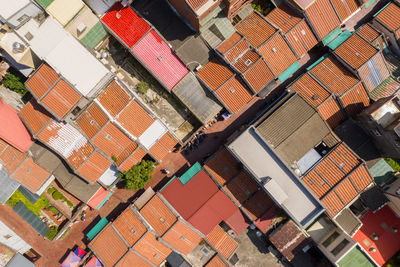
{"type": "Point", "coordinates": [42, 202]}
{"type": "Point", "coordinates": [114, 158]}
{"type": "Point", "coordinates": [394, 163]}
{"type": "Point", "coordinates": [138, 176]}
{"type": "Point", "coordinates": [54, 210]}
{"type": "Point", "coordinates": [143, 87]}
{"type": "Point", "coordinates": [262, 6]}
{"type": "Point", "coordinates": [145, 74]}
{"type": "Point", "coordinates": [14, 82]}
{"type": "Point", "coordinates": [57, 195]}
{"type": "Point", "coordinates": [52, 233]}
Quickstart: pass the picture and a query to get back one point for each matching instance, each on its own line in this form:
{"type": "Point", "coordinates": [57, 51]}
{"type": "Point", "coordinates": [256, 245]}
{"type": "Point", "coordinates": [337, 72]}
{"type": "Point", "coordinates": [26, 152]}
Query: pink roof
{"type": "Point", "coordinates": [380, 223]}
{"type": "Point", "coordinates": [125, 24]}
{"type": "Point", "coordinates": [97, 198]}
{"type": "Point", "coordinates": [158, 57]}
{"type": "Point", "coordinates": [12, 129]}
{"type": "Point", "coordinates": [217, 209]}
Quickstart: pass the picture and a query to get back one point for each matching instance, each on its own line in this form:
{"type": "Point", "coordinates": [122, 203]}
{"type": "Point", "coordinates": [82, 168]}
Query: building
{"type": "Point", "coordinates": [16, 14]}
{"type": "Point", "coordinates": [372, 35]}
{"type": "Point", "coordinates": [386, 20]}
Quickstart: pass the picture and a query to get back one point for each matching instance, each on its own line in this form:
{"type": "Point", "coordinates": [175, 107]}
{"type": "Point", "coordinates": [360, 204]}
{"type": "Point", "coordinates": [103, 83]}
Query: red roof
{"type": "Point", "coordinates": [158, 57]}
{"type": "Point", "coordinates": [380, 223]}
{"type": "Point", "coordinates": [187, 199]}
{"type": "Point", "coordinates": [12, 129]}
{"type": "Point", "coordinates": [125, 24]}
{"type": "Point", "coordinates": [238, 222]}
{"type": "Point", "coordinates": [97, 198]}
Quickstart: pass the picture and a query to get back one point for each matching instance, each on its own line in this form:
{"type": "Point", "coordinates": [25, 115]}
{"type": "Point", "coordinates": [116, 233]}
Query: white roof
{"type": "Point", "coordinates": [265, 165]}
{"type": "Point", "coordinates": [64, 10]}
{"type": "Point", "coordinates": [10, 7]}
{"type": "Point", "coordinates": [109, 176]}
{"type": "Point", "coordinates": [65, 54]}
{"type": "Point", "coordinates": [152, 134]}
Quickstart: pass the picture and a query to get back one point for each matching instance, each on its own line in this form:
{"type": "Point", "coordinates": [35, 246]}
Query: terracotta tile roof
{"type": "Point", "coordinates": [346, 191]}
{"type": "Point", "coordinates": [108, 246]}
{"type": "Point", "coordinates": [196, 4]}
{"type": "Point", "coordinates": [283, 17]}
{"type": "Point", "coordinates": [222, 242]}
{"type": "Point", "coordinates": [334, 75]}
{"type": "Point", "coordinates": [94, 167]}
{"type": "Point", "coordinates": [355, 100]}
{"type": "Point", "coordinates": [345, 8]}
{"type": "Point", "coordinates": [259, 75]}
{"type": "Point", "coordinates": [112, 141]}
{"type": "Point", "coordinates": [390, 17]}
{"type": "Point", "coordinates": [256, 29]}
{"type": "Point", "coordinates": [158, 151]}
{"type": "Point", "coordinates": [229, 43]}
{"type": "Point", "coordinates": [114, 98]}
{"type": "Point", "coordinates": [34, 116]}
{"type": "Point", "coordinates": [332, 203]}
{"type": "Point", "coordinates": [360, 178]}
{"type": "Point", "coordinates": [246, 61]}
{"type": "Point", "coordinates": [368, 32]}
{"type": "Point", "coordinates": [258, 204]}
{"type": "Point", "coordinates": [133, 259]}
{"type": "Point", "coordinates": [133, 159]}
{"type": "Point", "coordinates": [10, 157]}
{"type": "Point", "coordinates": [182, 238]}
{"type": "Point", "coordinates": [168, 141]}
{"type": "Point", "coordinates": [129, 226]}
{"type": "Point", "coordinates": [135, 119]}
{"type": "Point", "coordinates": [331, 112]}
{"type": "Point", "coordinates": [289, 240]}
{"type": "Point", "coordinates": [92, 120]}
{"type": "Point", "coordinates": [242, 187]}
{"type": "Point", "coordinates": [214, 74]}
{"type": "Point", "coordinates": [237, 50]}
{"type": "Point", "coordinates": [31, 175]}
{"type": "Point", "coordinates": [322, 17]}
{"type": "Point", "coordinates": [233, 95]}
{"type": "Point", "coordinates": [310, 89]}
{"type": "Point", "coordinates": [158, 215]}
{"type": "Point", "coordinates": [151, 249]}
{"type": "Point", "coordinates": [277, 54]}
{"type": "Point", "coordinates": [61, 99]}
{"type": "Point", "coordinates": [67, 142]}
{"type": "Point", "coordinates": [301, 38]}
{"type": "Point", "coordinates": [222, 166]}
{"type": "Point", "coordinates": [356, 51]}
{"type": "Point", "coordinates": [42, 80]}
{"type": "Point", "coordinates": [215, 262]}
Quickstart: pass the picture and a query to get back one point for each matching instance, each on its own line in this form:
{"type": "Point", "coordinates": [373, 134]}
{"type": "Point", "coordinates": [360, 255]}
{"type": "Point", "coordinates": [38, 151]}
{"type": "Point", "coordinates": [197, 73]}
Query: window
{"type": "Point", "coordinates": [330, 239]}
{"type": "Point", "coordinates": [247, 62]}
{"type": "Point", "coordinates": [340, 247]}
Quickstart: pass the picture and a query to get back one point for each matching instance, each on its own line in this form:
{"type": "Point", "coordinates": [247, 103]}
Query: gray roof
{"type": "Point", "coordinates": [196, 98]}
{"type": "Point", "coordinates": [348, 221]}
{"type": "Point", "coordinates": [20, 261]}
{"type": "Point", "coordinates": [31, 218]}
{"type": "Point", "coordinates": [7, 185]}
{"type": "Point", "coordinates": [81, 189]}
{"type": "Point", "coordinates": [292, 129]}
{"type": "Point", "coordinates": [100, 7]}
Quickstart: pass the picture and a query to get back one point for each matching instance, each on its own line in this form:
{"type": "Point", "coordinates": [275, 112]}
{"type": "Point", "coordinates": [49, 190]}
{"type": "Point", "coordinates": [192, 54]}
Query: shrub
{"type": "Point", "coordinates": [52, 233]}
{"type": "Point", "coordinates": [42, 202]}
{"type": "Point", "coordinates": [54, 210]}
{"type": "Point", "coordinates": [69, 203]}
{"type": "Point", "coordinates": [143, 87]}
{"type": "Point", "coordinates": [14, 83]}
{"type": "Point", "coordinates": [51, 190]}
{"type": "Point", "coordinates": [394, 163]}
{"type": "Point", "coordinates": [57, 196]}
{"type": "Point", "coordinates": [137, 177]}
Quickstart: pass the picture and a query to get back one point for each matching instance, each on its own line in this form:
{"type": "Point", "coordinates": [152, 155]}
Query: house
{"type": "Point", "coordinates": [364, 60]}
{"type": "Point", "coordinates": [17, 13]}
{"type": "Point", "coordinates": [380, 120]}
{"type": "Point", "coordinates": [294, 28]}
{"type": "Point", "coordinates": [386, 20]}
{"type": "Point", "coordinates": [372, 35]}
{"type": "Point", "coordinates": [100, 7]}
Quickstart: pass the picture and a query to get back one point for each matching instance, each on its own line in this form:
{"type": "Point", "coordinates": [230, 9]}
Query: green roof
{"type": "Point", "coordinates": [189, 174]}
{"type": "Point", "coordinates": [44, 3]}
{"type": "Point", "coordinates": [369, 3]}
{"type": "Point", "coordinates": [318, 61]}
{"type": "Point", "coordinates": [355, 258]}
{"type": "Point", "coordinates": [332, 35]}
{"type": "Point", "coordinates": [387, 88]}
{"type": "Point", "coordinates": [95, 35]}
{"type": "Point", "coordinates": [289, 72]}
{"type": "Point", "coordinates": [340, 39]}
{"type": "Point", "coordinates": [31, 218]}
{"type": "Point", "coordinates": [97, 228]}
{"type": "Point", "coordinates": [382, 172]}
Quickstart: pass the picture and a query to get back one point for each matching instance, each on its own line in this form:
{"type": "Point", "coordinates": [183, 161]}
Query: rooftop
{"type": "Point", "coordinates": [283, 17]}
{"type": "Point", "coordinates": [92, 120]}
{"type": "Point", "coordinates": [368, 32]}
{"type": "Point", "coordinates": [389, 16]}
{"type": "Point", "coordinates": [114, 98]}
{"type": "Point", "coordinates": [214, 74]}
{"type": "Point", "coordinates": [323, 22]}
{"type": "Point", "coordinates": [129, 226]}
{"type": "Point", "coordinates": [34, 116]}
{"type": "Point", "coordinates": [181, 237]}
{"type": "Point", "coordinates": [222, 242]}
{"type": "Point", "coordinates": [152, 249]}
{"type": "Point", "coordinates": [64, 10]}
{"type": "Point", "coordinates": [31, 175]}
{"type": "Point", "coordinates": [223, 167]}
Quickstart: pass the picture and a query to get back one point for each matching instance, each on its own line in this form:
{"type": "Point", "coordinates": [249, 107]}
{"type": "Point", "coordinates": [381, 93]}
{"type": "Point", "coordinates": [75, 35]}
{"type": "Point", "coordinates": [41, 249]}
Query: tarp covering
{"type": "Point", "coordinates": [80, 252]}
{"type": "Point", "coordinates": [71, 261]}
{"type": "Point", "coordinates": [94, 262]}
{"type": "Point", "coordinates": [97, 228]}
{"type": "Point", "coordinates": [289, 72]}
{"type": "Point", "coordinates": [189, 174]}
{"type": "Point", "coordinates": [98, 198]}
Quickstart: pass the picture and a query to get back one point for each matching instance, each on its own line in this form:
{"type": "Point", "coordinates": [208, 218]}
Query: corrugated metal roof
{"type": "Point", "coordinates": [160, 60]}
{"type": "Point", "coordinates": [97, 228]}
{"type": "Point", "coordinates": [64, 10]}
{"type": "Point", "coordinates": [96, 34]}
{"type": "Point", "coordinates": [390, 16]}
{"type": "Point", "coordinates": [387, 88]}
{"type": "Point", "coordinates": [152, 249]}
{"type": "Point", "coordinates": [189, 174]}
{"type": "Point", "coordinates": [125, 24]}
{"type": "Point", "coordinates": [8, 185]}
{"type": "Point", "coordinates": [31, 218]}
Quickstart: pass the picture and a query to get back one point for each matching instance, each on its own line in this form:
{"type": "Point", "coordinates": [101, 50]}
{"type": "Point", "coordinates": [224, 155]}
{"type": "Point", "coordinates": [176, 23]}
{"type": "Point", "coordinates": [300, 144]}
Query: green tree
{"type": "Point", "coordinates": [143, 87]}
{"type": "Point", "coordinates": [14, 83]}
{"type": "Point", "coordinates": [138, 176]}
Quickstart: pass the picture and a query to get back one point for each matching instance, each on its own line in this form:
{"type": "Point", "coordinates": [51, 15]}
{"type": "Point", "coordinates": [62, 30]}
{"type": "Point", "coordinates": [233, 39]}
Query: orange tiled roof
{"type": "Point", "coordinates": [283, 17]}
{"type": "Point", "coordinates": [215, 262]}
{"type": "Point", "coordinates": [34, 116]}
{"type": "Point", "coordinates": [356, 51]}
{"type": "Point", "coordinates": [112, 141]}
{"type": "Point", "coordinates": [233, 95]}
{"type": "Point", "coordinates": [163, 146]}
{"type": "Point", "coordinates": [92, 120]}
{"type": "Point", "coordinates": [42, 80]}
{"type": "Point", "coordinates": [332, 203]}
{"type": "Point", "coordinates": [94, 167]}
{"type": "Point", "coordinates": [114, 98]}
{"type": "Point", "coordinates": [334, 75]}
{"type": "Point", "coordinates": [151, 249]}
{"type": "Point", "coordinates": [390, 17]}
{"type": "Point", "coordinates": [222, 166]}
{"type": "Point", "coordinates": [133, 159]}
{"type": "Point", "coordinates": [196, 4]}
{"type": "Point", "coordinates": [258, 204]}
{"type": "Point", "coordinates": [182, 238]}
{"type": "Point", "coordinates": [258, 76]}
{"type": "Point", "coordinates": [256, 29]}
{"type": "Point", "coordinates": [10, 157]}
{"type": "Point", "coordinates": [135, 119]}
{"type": "Point", "coordinates": [108, 246]}
{"type": "Point", "coordinates": [133, 259]}
{"type": "Point", "coordinates": [129, 226]}
{"type": "Point", "coordinates": [31, 175]}
{"type": "Point", "coordinates": [237, 50]}
{"type": "Point", "coordinates": [277, 54]}
{"type": "Point", "coordinates": [229, 43]}
{"type": "Point", "coordinates": [331, 113]}
{"type": "Point", "coordinates": [158, 215]}
{"type": "Point", "coordinates": [214, 74]}
{"type": "Point", "coordinates": [158, 151]}
{"type": "Point", "coordinates": [368, 32]}
{"type": "Point", "coordinates": [242, 187]}
{"type": "Point", "coordinates": [310, 89]}
{"type": "Point", "coordinates": [222, 242]}
{"type": "Point", "coordinates": [246, 61]}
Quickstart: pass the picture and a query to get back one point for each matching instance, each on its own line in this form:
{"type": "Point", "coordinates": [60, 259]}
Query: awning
{"type": "Point", "coordinates": [98, 199]}
{"type": "Point", "coordinates": [97, 228]}
{"type": "Point", "coordinates": [71, 261]}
